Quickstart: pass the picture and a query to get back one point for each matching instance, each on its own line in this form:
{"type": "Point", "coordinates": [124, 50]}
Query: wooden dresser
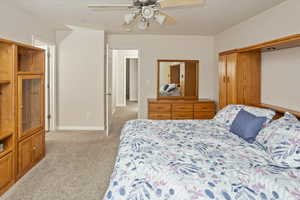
{"type": "Point", "coordinates": [181, 109]}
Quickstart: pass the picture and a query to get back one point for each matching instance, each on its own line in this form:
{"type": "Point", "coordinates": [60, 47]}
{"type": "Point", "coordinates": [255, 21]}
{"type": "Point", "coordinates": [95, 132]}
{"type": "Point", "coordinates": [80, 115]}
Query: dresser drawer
{"type": "Point", "coordinates": [182, 115]}
{"type": "Point", "coordinates": [182, 108]}
{"type": "Point", "coordinates": [204, 115]}
{"type": "Point", "coordinates": [159, 116]}
{"type": "Point", "coordinates": [153, 107]}
{"type": "Point", "coordinates": [205, 107]}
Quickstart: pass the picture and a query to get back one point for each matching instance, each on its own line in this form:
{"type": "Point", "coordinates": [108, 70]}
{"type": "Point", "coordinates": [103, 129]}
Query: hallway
{"type": "Point", "coordinates": [77, 165]}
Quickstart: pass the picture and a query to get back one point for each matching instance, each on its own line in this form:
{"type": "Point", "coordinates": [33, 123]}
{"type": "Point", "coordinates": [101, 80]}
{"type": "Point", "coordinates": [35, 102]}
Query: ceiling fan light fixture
{"type": "Point", "coordinates": [148, 12]}
{"type": "Point", "coordinates": [161, 19]}
{"type": "Point", "coordinates": [143, 25]}
{"type": "Point", "coordinates": [129, 18]}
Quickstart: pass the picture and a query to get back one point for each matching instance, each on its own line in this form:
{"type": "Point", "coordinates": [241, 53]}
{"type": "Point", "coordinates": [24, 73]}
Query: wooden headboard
{"type": "Point", "coordinates": [279, 110]}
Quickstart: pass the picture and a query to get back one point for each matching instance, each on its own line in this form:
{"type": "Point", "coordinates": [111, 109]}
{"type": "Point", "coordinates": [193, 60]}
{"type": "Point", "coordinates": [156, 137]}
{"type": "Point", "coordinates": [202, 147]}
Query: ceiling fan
{"type": "Point", "coordinates": [143, 12]}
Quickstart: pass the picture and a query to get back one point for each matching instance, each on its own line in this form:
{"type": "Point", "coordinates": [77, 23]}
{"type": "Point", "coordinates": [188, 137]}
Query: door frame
{"type": "Point", "coordinates": [139, 57]}
{"type": "Point", "coordinates": [107, 121]}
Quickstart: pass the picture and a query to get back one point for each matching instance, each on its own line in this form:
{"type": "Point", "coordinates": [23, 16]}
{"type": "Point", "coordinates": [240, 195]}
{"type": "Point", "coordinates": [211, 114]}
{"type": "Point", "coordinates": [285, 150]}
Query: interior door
{"type": "Point", "coordinates": [231, 79]}
{"type": "Point", "coordinates": [108, 89]}
{"type": "Point", "coordinates": [30, 104]}
{"type": "Point", "coordinates": [175, 74]}
{"type": "Point", "coordinates": [222, 82]}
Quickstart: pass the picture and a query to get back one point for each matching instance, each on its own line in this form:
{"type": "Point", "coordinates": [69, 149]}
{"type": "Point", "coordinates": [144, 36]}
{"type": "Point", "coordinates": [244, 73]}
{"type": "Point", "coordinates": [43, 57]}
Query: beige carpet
{"type": "Point", "coordinates": [77, 165]}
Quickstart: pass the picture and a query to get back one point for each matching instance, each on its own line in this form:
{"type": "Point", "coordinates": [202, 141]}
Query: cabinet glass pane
{"type": "Point", "coordinates": [31, 100]}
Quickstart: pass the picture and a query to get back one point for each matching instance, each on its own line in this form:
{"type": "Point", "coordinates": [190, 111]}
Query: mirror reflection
{"type": "Point", "coordinates": [172, 78]}
{"type": "Point", "coordinates": [177, 79]}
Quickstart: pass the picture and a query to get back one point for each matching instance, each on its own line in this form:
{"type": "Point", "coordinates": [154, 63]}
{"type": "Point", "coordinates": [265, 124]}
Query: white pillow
{"type": "Point", "coordinates": [264, 135]}
{"type": "Point", "coordinates": [281, 139]}
{"type": "Point", "coordinates": [227, 115]}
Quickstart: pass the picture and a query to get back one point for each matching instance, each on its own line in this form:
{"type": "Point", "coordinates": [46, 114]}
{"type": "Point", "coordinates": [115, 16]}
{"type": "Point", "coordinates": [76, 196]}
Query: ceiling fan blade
{"type": "Point", "coordinates": [130, 26]}
{"type": "Point", "coordinates": [169, 20]}
{"type": "Point", "coordinates": [176, 3]}
{"type": "Point", "coordinates": [109, 5]}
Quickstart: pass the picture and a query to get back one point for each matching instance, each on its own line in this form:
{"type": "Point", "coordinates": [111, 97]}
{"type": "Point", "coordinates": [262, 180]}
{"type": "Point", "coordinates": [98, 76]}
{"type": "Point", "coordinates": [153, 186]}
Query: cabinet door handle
{"type": "Point", "coordinates": [224, 79]}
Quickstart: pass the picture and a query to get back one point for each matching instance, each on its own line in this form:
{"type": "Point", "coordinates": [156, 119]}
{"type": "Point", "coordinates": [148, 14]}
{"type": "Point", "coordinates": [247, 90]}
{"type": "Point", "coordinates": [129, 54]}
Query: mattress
{"type": "Point", "coordinates": [189, 160]}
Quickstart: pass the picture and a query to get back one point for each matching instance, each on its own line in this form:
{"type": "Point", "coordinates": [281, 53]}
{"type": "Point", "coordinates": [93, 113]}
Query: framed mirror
{"type": "Point", "coordinates": [177, 79]}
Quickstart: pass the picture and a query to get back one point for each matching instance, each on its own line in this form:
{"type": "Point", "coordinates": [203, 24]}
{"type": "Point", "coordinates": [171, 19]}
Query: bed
{"type": "Point", "coordinates": [190, 159]}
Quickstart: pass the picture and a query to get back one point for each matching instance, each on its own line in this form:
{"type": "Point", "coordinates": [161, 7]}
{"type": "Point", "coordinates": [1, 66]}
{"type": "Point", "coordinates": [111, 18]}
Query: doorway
{"type": "Point", "coordinates": [132, 86]}
{"type": "Point", "coordinates": [132, 78]}
{"type": "Point", "coordinates": [122, 93]}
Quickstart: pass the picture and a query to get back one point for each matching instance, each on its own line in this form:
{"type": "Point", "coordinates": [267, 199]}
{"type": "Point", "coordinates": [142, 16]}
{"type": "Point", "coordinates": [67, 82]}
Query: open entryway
{"type": "Point", "coordinates": [132, 83]}
{"type": "Point", "coordinates": [122, 88]}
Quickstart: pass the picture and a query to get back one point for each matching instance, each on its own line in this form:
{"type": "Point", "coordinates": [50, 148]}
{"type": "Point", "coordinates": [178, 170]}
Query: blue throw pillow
{"type": "Point", "coordinates": [247, 125]}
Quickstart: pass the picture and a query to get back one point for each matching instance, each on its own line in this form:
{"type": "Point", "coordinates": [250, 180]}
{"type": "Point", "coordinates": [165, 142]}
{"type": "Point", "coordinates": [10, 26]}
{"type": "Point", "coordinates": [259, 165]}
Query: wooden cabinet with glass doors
{"type": "Point", "coordinates": [7, 116]}
{"type": "Point", "coordinates": [30, 98]}
{"type": "Point", "coordinates": [22, 133]}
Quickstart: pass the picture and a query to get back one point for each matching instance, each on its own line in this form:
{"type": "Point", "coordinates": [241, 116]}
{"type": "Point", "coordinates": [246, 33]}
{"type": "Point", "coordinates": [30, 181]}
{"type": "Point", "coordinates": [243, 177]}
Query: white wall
{"type": "Point", "coordinates": [119, 72]}
{"type": "Point", "coordinates": [280, 21]}
{"type": "Point", "coordinates": [18, 25]}
{"type": "Point", "coordinates": [133, 82]}
{"type": "Point", "coordinates": [80, 80]}
{"type": "Point", "coordinates": [154, 47]}
{"type": "Point", "coordinates": [280, 78]}
{"type": "Point", "coordinates": [274, 23]}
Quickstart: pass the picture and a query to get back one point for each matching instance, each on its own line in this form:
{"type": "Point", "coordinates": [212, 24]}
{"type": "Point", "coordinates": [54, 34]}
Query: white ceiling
{"type": "Point", "coordinates": [214, 17]}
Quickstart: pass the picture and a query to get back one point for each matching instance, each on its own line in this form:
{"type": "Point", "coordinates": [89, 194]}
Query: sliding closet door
{"type": "Point", "coordinates": [222, 82]}
{"type": "Point", "coordinates": [231, 79]}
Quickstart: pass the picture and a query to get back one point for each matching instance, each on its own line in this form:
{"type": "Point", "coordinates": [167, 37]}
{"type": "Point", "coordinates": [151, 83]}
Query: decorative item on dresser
{"type": "Point", "coordinates": [163, 109]}
{"type": "Point", "coordinates": [22, 130]}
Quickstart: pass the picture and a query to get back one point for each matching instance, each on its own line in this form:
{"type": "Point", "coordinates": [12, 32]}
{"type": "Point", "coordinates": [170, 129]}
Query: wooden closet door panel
{"type": "Point", "coordinates": [222, 82]}
{"type": "Point", "coordinates": [249, 78]}
{"type": "Point", "coordinates": [231, 79]}
{"type": "Point", "coordinates": [25, 156]}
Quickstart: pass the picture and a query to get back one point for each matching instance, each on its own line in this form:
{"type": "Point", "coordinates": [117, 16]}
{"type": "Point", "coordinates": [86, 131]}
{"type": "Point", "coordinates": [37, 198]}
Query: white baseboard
{"type": "Point", "coordinates": [81, 128]}
{"type": "Point", "coordinates": [121, 105]}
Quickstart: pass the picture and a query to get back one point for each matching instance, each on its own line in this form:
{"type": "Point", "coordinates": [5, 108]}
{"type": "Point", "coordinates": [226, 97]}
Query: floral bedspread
{"type": "Point", "coordinates": [189, 160]}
